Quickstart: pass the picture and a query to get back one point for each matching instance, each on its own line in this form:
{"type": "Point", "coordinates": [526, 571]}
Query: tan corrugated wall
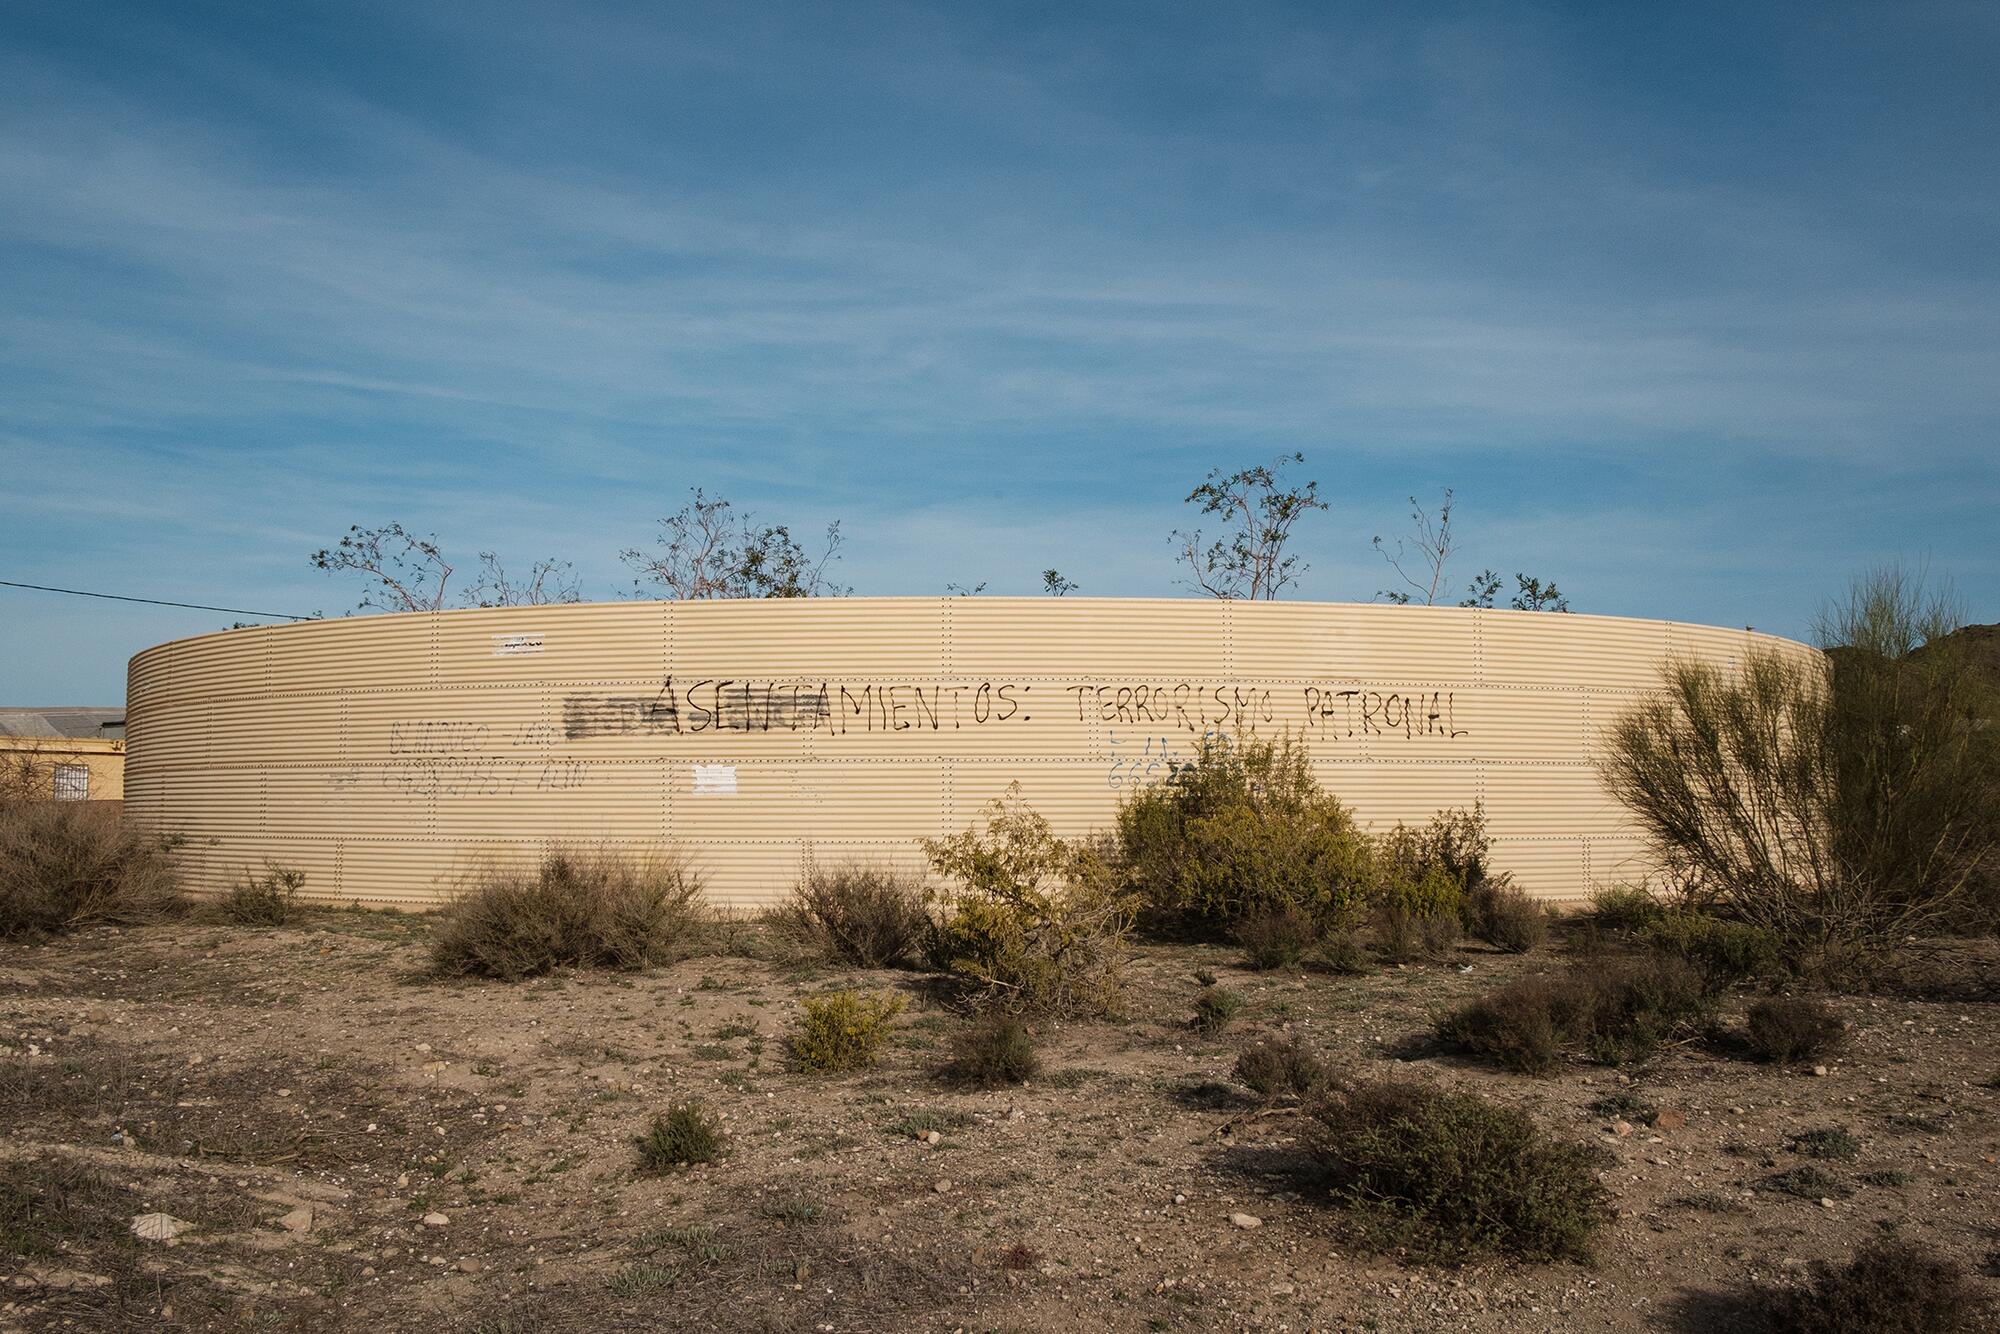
{"type": "Point", "coordinates": [390, 756]}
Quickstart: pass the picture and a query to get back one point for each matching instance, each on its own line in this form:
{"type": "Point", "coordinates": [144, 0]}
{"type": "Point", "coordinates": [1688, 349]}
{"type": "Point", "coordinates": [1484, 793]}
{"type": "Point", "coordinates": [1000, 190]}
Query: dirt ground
{"type": "Point", "coordinates": [359, 1147]}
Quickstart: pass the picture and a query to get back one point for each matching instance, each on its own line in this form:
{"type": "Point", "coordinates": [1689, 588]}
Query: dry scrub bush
{"type": "Point", "coordinates": [1505, 917]}
{"type": "Point", "coordinates": [1724, 952]}
{"type": "Point", "coordinates": [842, 1030]}
{"type": "Point", "coordinates": [68, 864]}
{"type": "Point", "coordinates": [1034, 922]}
{"type": "Point", "coordinates": [1613, 1011]}
{"type": "Point", "coordinates": [1793, 1028]}
{"type": "Point", "coordinates": [1418, 919]}
{"type": "Point", "coordinates": [595, 908]}
{"type": "Point", "coordinates": [1889, 1287]}
{"type": "Point", "coordinates": [867, 915]}
{"type": "Point", "coordinates": [1214, 1007]}
{"type": "Point", "coordinates": [1279, 1066]}
{"type": "Point", "coordinates": [1841, 808]}
{"type": "Point", "coordinates": [1277, 938]}
{"type": "Point", "coordinates": [683, 1135]}
{"type": "Point", "coordinates": [270, 899]}
{"type": "Point", "coordinates": [991, 1053]}
{"type": "Point", "coordinates": [1624, 908]}
{"type": "Point", "coordinates": [1448, 1175]}
{"type": "Point", "coordinates": [1244, 829]}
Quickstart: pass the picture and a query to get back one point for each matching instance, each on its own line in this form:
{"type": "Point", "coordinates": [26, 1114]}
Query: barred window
{"type": "Point", "coordinates": [72, 782]}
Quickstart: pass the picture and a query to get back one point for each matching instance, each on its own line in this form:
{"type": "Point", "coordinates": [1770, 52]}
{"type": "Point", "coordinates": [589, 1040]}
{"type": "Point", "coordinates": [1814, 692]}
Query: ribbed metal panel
{"type": "Point", "coordinates": [394, 757]}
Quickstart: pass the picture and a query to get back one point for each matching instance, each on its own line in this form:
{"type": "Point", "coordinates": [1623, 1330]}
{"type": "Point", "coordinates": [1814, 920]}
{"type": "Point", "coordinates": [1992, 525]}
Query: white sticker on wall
{"type": "Point", "coordinates": [714, 780]}
{"type": "Point", "coordinates": [514, 646]}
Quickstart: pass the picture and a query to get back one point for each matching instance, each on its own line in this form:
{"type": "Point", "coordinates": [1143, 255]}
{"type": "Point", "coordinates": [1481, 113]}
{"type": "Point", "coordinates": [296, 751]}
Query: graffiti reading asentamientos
{"type": "Point", "coordinates": [1331, 711]}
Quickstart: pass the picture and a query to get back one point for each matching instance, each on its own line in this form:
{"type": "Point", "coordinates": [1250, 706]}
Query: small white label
{"type": "Point", "coordinates": [514, 646]}
{"type": "Point", "coordinates": [714, 780]}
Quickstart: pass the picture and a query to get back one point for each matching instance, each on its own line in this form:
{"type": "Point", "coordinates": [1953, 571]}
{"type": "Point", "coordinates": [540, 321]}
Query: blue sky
{"type": "Point", "coordinates": [1694, 306]}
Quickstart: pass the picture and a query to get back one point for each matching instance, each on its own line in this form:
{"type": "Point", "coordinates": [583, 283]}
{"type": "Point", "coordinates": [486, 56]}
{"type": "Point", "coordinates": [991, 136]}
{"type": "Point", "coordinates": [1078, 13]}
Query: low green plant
{"type": "Point", "coordinates": [1445, 1175]}
{"type": "Point", "coordinates": [842, 1030]}
{"type": "Point", "coordinates": [1035, 923]}
{"type": "Point", "coordinates": [1612, 1010]}
{"type": "Point", "coordinates": [1832, 1142]}
{"type": "Point", "coordinates": [681, 1136]}
{"type": "Point", "coordinates": [1785, 1029]}
{"type": "Point", "coordinates": [270, 899]}
{"type": "Point", "coordinates": [1418, 919]}
{"type": "Point", "coordinates": [993, 1052]}
{"type": "Point", "coordinates": [1624, 908]}
{"type": "Point", "coordinates": [1726, 952]}
{"type": "Point", "coordinates": [1279, 1066]}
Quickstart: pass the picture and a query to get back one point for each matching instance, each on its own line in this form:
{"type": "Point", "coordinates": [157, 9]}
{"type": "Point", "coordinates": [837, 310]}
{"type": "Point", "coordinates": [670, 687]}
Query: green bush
{"type": "Point", "coordinates": [993, 1052]}
{"type": "Point", "coordinates": [1888, 1287]}
{"type": "Point", "coordinates": [1793, 1028]}
{"type": "Point", "coordinates": [1035, 922]}
{"type": "Point", "coordinates": [1279, 1066]}
{"type": "Point", "coordinates": [1725, 952]}
{"type": "Point", "coordinates": [1624, 908]}
{"type": "Point", "coordinates": [1843, 805]}
{"type": "Point", "coordinates": [1448, 1175]}
{"type": "Point", "coordinates": [1418, 919]}
{"type": "Point", "coordinates": [1614, 1011]}
{"type": "Point", "coordinates": [685, 1134]}
{"type": "Point", "coordinates": [1277, 937]}
{"type": "Point", "coordinates": [1214, 1007]}
{"type": "Point", "coordinates": [586, 909]}
{"type": "Point", "coordinates": [70, 864]}
{"type": "Point", "coordinates": [270, 899]}
{"type": "Point", "coordinates": [1831, 1142]}
{"type": "Point", "coordinates": [867, 915]}
{"type": "Point", "coordinates": [842, 1030]}
{"type": "Point", "coordinates": [1244, 829]}
{"type": "Point", "coordinates": [1454, 842]}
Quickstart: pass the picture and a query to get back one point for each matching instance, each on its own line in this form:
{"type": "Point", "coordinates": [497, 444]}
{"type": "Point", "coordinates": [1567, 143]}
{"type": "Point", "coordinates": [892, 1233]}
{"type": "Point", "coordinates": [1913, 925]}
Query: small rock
{"type": "Point", "coordinates": [1246, 1220]}
{"type": "Point", "coordinates": [1820, 1071]}
{"type": "Point", "coordinates": [1015, 1114]}
{"type": "Point", "coordinates": [1621, 1128]}
{"type": "Point", "coordinates": [436, 1220]}
{"type": "Point", "coordinates": [1283, 1289]}
{"type": "Point", "coordinates": [158, 1227]}
{"type": "Point", "coordinates": [298, 1220]}
{"type": "Point", "coordinates": [1670, 1121]}
{"type": "Point", "coordinates": [943, 1187]}
{"type": "Point", "coordinates": [98, 1015]}
{"type": "Point", "coordinates": [1825, 1203]}
{"type": "Point", "coordinates": [469, 1265]}
{"type": "Point", "coordinates": [1180, 1199]}
{"type": "Point", "coordinates": [933, 1138]}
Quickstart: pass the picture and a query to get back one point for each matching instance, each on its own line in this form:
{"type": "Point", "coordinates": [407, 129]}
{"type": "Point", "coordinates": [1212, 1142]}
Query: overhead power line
{"type": "Point", "coordinates": [157, 602]}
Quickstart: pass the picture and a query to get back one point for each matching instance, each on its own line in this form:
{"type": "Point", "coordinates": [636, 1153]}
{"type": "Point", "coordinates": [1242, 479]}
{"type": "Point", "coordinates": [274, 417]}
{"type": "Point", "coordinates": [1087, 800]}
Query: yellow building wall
{"type": "Point", "coordinates": [392, 757]}
{"type": "Point", "coordinates": [104, 759]}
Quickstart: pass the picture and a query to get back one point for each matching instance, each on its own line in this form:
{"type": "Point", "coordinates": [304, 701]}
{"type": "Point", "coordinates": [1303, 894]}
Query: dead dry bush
{"type": "Point", "coordinates": [595, 908]}
{"type": "Point", "coordinates": [992, 1053]}
{"type": "Point", "coordinates": [1611, 1010]}
{"type": "Point", "coordinates": [1888, 1287]}
{"type": "Point", "coordinates": [1505, 917]}
{"type": "Point", "coordinates": [67, 864]}
{"type": "Point", "coordinates": [270, 899]}
{"type": "Point", "coordinates": [872, 916]}
{"type": "Point", "coordinates": [1793, 1028]}
{"type": "Point", "coordinates": [1277, 938]}
{"type": "Point", "coordinates": [1446, 1176]}
{"type": "Point", "coordinates": [1280, 1066]}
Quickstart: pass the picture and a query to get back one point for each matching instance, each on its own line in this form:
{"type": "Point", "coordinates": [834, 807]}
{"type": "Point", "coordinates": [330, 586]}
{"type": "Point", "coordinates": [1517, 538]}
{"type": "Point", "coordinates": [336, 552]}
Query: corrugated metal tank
{"type": "Point", "coordinates": [389, 757]}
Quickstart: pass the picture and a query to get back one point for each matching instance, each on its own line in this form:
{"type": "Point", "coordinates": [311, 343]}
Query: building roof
{"type": "Point", "coordinates": [72, 722]}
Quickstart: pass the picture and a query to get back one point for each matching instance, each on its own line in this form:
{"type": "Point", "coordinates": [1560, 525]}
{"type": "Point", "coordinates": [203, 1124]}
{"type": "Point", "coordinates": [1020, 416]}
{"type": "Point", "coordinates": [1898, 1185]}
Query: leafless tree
{"type": "Point", "coordinates": [1249, 562]}
{"type": "Point", "coordinates": [404, 572]}
{"type": "Point", "coordinates": [960, 590]}
{"type": "Point", "coordinates": [707, 551]}
{"type": "Point", "coordinates": [548, 581]}
{"type": "Point", "coordinates": [1427, 551]}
